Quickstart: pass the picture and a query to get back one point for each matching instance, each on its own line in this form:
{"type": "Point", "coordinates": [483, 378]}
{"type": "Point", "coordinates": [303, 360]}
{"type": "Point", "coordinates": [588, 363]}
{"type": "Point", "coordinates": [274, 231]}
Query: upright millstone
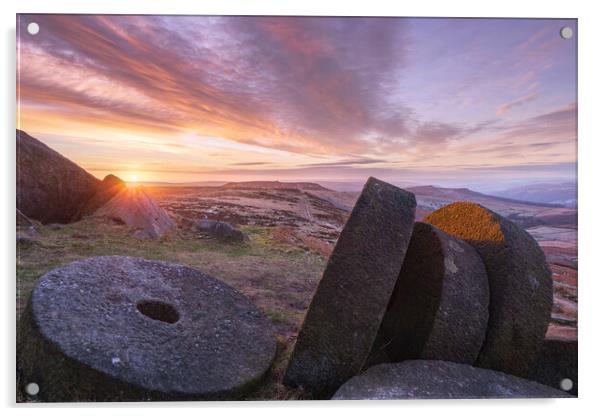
{"type": "Point", "coordinates": [126, 329]}
{"type": "Point", "coordinates": [440, 306]}
{"type": "Point", "coordinates": [346, 311]}
{"type": "Point", "coordinates": [519, 280]}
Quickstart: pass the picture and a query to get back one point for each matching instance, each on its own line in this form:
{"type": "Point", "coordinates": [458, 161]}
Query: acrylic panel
{"type": "Point", "coordinates": [295, 208]}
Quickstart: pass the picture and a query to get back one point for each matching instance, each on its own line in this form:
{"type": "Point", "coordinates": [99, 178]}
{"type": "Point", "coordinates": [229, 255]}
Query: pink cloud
{"type": "Point", "coordinates": [504, 108]}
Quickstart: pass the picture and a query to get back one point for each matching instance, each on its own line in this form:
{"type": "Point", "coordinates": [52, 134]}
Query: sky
{"type": "Point", "coordinates": [483, 103]}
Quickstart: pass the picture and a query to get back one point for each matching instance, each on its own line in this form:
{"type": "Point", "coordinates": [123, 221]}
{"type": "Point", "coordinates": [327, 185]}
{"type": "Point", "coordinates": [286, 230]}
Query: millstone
{"type": "Point", "coordinates": [519, 280]}
{"type": "Point", "coordinates": [557, 362]}
{"type": "Point", "coordinates": [423, 379]}
{"type": "Point", "coordinates": [124, 328]}
{"type": "Point", "coordinates": [439, 307]}
{"type": "Point", "coordinates": [345, 313]}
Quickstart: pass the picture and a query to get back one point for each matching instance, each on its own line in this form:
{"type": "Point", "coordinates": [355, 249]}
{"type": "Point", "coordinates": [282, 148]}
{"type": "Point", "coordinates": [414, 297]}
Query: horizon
{"type": "Point", "coordinates": [477, 103]}
{"type": "Point", "coordinates": [349, 185]}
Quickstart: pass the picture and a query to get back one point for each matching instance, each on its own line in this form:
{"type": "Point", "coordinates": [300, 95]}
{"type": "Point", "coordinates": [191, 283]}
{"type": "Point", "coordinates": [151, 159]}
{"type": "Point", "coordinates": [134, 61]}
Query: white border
{"type": "Point", "coordinates": [590, 202]}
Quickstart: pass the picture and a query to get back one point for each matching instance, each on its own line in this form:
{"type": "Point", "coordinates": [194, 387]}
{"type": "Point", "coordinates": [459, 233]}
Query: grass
{"type": "Point", "coordinates": [279, 278]}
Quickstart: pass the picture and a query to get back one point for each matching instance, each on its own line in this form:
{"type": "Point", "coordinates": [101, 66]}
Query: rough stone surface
{"type": "Point", "coordinates": [123, 328]}
{"type": "Point", "coordinates": [440, 305]}
{"type": "Point", "coordinates": [519, 280]}
{"type": "Point", "coordinates": [343, 318]}
{"type": "Point", "coordinates": [221, 230]}
{"type": "Point", "coordinates": [557, 360]}
{"type": "Point", "coordinates": [138, 210]}
{"type": "Point", "coordinates": [110, 186]}
{"type": "Point", "coordinates": [50, 188]}
{"type": "Point", "coordinates": [423, 379]}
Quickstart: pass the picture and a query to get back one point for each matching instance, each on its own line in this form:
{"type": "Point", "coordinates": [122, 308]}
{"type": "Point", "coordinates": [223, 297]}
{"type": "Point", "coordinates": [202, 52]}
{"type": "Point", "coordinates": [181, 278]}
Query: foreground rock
{"type": "Point", "coordinates": [556, 365]}
{"type": "Point", "coordinates": [123, 328]}
{"type": "Point", "coordinates": [519, 280]}
{"type": "Point", "coordinates": [135, 208]}
{"type": "Point", "coordinates": [50, 188]}
{"type": "Point", "coordinates": [439, 308]}
{"type": "Point", "coordinates": [439, 380]}
{"type": "Point", "coordinates": [343, 318]}
{"type": "Point", "coordinates": [223, 231]}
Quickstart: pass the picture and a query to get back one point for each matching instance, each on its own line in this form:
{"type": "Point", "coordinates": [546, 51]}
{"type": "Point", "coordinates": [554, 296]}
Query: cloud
{"type": "Point", "coordinates": [437, 133]}
{"type": "Point", "coordinates": [249, 164]}
{"type": "Point", "coordinates": [348, 162]}
{"type": "Point", "coordinates": [559, 124]}
{"type": "Point", "coordinates": [312, 93]}
{"type": "Point", "coordinates": [504, 108]}
{"type": "Point", "coordinates": [301, 84]}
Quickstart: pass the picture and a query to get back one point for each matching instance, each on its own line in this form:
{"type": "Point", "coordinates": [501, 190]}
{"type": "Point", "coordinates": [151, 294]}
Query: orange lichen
{"type": "Point", "coordinates": [468, 221]}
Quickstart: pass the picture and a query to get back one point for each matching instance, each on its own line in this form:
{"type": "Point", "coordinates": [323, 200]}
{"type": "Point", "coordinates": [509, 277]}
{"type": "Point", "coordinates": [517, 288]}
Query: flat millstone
{"type": "Point", "coordinates": [345, 313]}
{"type": "Point", "coordinates": [440, 306]}
{"type": "Point", "coordinates": [556, 361]}
{"type": "Point", "coordinates": [424, 379]}
{"type": "Point", "coordinates": [519, 280]}
{"type": "Point", "coordinates": [124, 328]}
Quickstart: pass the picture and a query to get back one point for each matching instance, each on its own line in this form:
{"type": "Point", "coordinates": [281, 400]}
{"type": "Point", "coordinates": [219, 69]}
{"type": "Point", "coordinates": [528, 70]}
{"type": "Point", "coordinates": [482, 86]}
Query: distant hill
{"type": "Point", "coordinates": [465, 194]}
{"type": "Point", "coordinates": [183, 184]}
{"type": "Point", "coordinates": [564, 194]}
{"type": "Point", "coordinates": [305, 186]}
{"type": "Point", "coordinates": [525, 213]}
{"type": "Point", "coordinates": [429, 198]}
{"type": "Point", "coordinates": [356, 186]}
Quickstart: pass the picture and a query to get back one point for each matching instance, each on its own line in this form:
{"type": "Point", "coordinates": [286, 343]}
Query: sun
{"type": "Point", "coordinates": [133, 182]}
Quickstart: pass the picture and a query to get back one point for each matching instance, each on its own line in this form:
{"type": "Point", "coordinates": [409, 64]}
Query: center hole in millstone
{"type": "Point", "coordinates": [159, 311]}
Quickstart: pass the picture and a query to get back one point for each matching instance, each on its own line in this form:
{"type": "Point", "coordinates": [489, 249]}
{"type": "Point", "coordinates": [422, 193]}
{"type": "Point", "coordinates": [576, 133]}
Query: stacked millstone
{"type": "Point", "coordinates": [474, 289]}
{"type": "Point", "coordinates": [440, 306]}
{"type": "Point", "coordinates": [464, 288]}
{"type": "Point", "coordinates": [127, 329]}
{"type": "Point", "coordinates": [345, 313]}
{"type": "Point", "coordinates": [520, 284]}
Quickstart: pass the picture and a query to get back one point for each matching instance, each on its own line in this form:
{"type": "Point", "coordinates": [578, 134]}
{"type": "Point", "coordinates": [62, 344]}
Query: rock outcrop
{"type": "Point", "coordinates": [221, 230]}
{"type": "Point", "coordinates": [135, 208]}
{"type": "Point", "coordinates": [123, 328]}
{"type": "Point", "coordinates": [423, 379]}
{"type": "Point", "coordinates": [110, 186]}
{"type": "Point", "coordinates": [50, 188]}
{"type": "Point", "coordinates": [519, 280]}
{"type": "Point", "coordinates": [344, 316]}
{"type": "Point", "coordinates": [440, 306]}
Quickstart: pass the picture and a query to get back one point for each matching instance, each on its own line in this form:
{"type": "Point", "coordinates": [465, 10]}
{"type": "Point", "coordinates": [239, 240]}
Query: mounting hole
{"type": "Point", "coordinates": [32, 389]}
{"type": "Point", "coordinates": [33, 28]}
{"type": "Point", "coordinates": [566, 32]}
{"type": "Point", "coordinates": [566, 384]}
{"type": "Point", "coordinates": [159, 311]}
